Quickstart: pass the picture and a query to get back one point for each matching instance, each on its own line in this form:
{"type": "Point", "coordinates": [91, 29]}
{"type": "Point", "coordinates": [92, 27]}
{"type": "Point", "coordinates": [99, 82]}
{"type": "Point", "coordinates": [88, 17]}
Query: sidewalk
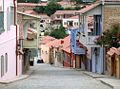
{"type": "Point", "coordinates": [105, 79]}
{"type": "Point", "coordinates": [17, 78]}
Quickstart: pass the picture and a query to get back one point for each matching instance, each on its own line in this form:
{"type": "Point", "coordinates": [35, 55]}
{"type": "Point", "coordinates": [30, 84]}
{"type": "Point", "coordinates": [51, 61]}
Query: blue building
{"type": "Point", "coordinates": [91, 27]}
{"type": "Point", "coordinates": [77, 49]}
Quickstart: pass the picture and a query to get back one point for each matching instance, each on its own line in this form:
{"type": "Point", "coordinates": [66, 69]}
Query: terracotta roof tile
{"type": "Point", "coordinates": [46, 39]}
{"type": "Point", "coordinates": [87, 8]}
{"type": "Point", "coordinates": [32, 4]}
{"type": "Point", "coordinates": [74, 17]}
{"type": "Point", "coordinates": [65, 12]}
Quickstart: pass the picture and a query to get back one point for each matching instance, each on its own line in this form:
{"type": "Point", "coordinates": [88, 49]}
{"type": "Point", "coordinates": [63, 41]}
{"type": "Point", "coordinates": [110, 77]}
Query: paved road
{"type": "Point", "coordinates": [49, 77]}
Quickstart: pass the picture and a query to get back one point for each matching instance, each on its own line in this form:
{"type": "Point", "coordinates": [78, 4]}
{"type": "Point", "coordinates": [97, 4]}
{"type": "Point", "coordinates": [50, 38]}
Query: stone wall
{"type": "Point", "coordinates": [111, 14]}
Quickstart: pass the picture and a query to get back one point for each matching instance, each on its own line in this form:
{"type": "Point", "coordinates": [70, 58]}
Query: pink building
{"type": "Point", "coordinates": [10, 52]}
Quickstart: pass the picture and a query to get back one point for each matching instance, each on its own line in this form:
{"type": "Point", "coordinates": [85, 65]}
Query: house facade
{"type": "Point", "coordinates": [10, 50]}
{"type": "Point", "coordinates": [88, 35]}
{"type": "Point", "coordinates": [70, 22]}
{"type": "Point", "coordinates": [103, 19]}
{"type": "Point", "coordinates": [113, 62]}
{"type": "Point", "coordinates": [29, 34]}
{"type": "Point", "coordinates": [45, 49]}
{"type": "Point", "coordinates": [60, 14]}
{"type": "Point", "coordinates": [79, 51]}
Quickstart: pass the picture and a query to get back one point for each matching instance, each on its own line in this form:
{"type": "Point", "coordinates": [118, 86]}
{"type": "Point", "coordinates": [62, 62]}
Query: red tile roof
{"type": "Point", "coordinates": [66, 44]}
{"type": "Point", "coordinates": [62, 3]}
{"type": "Point", "coordinates": [32, 4]}
{"type": "Point", "coordinates": [113, 51]}
{"type": "Point", "coordinates": [87, 8]}
{"type": "Point", "coordinates": [35, 13]}
{"type": "Point", "coordinates": [46, 39]}
{"type": "Point", "coordinates": [55, 43]}
{"type": "Point", "coordinates": [65, 12]}
{"type": "Point", "coordinates": [74, 17]}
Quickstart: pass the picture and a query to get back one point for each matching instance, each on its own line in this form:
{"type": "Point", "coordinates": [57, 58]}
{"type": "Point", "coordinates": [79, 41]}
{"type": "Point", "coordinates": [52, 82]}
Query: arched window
{"type": "Point", "coordinates": [6, 62]}
{"type": "Point", "coordinates": [2, 66]}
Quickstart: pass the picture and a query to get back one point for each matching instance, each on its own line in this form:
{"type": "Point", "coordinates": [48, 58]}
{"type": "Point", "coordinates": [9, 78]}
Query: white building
{"type": "Point", "coordinates": [10, 55]}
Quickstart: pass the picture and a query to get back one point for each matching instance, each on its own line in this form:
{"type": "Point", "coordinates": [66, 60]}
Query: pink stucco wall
{"type": "Point", "coordinates": [8, 45]}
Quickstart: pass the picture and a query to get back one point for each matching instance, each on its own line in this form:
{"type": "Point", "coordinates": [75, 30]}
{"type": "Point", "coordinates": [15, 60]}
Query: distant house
{"type": "Point", "coordinates": [103, 19]}
{"type": "Point", "coordinates": [45, 20]}
{"type": "Point", "coordinates": [62, 14]}
{"type": "Point", "coordinates": [66, 52]}
{"type": "Point", "coordinates": [71, 22]}
{"type": "Point", "coordinates": [45, 48]}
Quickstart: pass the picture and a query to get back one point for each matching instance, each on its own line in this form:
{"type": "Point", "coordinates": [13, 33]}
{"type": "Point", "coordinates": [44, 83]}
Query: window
{"type": "Point", "coordinates": [65, 23]}
{"type": "Point", "coordinates": [58, 16]}
{"type": "Point", "coordinates": [70, 23]}
{"type": "Point", "coordinates": [97, 24]}
{"type": "Point", "coordinates": [2, 66]}
{"type": "Point", "coordinates": [46, 52]}
{"type": "Point", "coordinates": [6, 62]}
{"type": "Point", "coordinates": [75, 23]}
{"type": "Point", "coordinates": [42, 21]}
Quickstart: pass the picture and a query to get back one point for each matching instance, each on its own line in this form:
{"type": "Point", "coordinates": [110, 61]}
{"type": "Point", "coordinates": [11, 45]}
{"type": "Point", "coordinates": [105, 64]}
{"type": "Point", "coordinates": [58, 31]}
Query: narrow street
{"type": "Point", "coordinates": [50, 77]}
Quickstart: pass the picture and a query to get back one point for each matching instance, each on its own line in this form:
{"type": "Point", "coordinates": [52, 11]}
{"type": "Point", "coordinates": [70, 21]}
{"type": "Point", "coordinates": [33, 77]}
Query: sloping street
{"type": "Point", "coordinates": [49, 77]}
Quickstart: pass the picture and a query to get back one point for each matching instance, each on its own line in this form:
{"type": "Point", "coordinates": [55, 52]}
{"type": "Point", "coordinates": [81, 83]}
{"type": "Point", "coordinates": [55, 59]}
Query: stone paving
{"type": "Point", "coordinates": [49, 77]}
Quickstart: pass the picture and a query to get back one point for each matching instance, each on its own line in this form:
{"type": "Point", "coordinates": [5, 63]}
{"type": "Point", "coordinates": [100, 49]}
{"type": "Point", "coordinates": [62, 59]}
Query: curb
{"type": "Point", "coordinates": [18, 78]}
{"type": "Point", "coordinates": [107, 84]}
{"type": "Point", "coordinates": [97, 78]}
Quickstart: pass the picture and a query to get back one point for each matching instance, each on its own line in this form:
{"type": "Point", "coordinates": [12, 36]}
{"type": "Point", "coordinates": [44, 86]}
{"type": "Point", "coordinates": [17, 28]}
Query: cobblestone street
{"type": "Point", "coordinates": [50, 77]}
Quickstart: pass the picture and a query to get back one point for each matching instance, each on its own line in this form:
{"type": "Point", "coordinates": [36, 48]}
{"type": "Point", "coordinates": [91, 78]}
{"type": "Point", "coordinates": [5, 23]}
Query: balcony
{"type": "Point", "coordinates": [91, 30]}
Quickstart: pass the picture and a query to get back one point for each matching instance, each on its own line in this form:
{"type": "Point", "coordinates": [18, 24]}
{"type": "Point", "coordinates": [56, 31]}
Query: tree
{"type": "Point", "coordinates": [29, 1]}
{"type": "Point", "coordinates": [39, 9]}
{"type": "Point", "coordinates": [33, 1]}
{"type": "Point", "coordinates": [52, 7]}
{"type": "Point", "coordinates": [110, 37]}
{"type": "Point", "coordinates": [58, 33]}
{"type": "Point", "coordinates": [21, 1]}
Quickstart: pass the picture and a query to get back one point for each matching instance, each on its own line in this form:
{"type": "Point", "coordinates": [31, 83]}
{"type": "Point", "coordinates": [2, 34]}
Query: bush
{"type": "Point", "coordinates": [110, 37]}
{"type": "Point", "coordinates": [58, 33]}
{"type": "Point", "coordinates": [39, 9]}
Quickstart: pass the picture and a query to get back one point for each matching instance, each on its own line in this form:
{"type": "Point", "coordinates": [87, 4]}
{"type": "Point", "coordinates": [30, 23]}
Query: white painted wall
{"type": "Point", "coordinates": [67, 20]}
{"type": "Point", "coordinates": [8, 45]}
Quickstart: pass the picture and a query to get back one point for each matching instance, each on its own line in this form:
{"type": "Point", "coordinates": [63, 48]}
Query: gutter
{"type": "Point", "coordinates": [14, 2]}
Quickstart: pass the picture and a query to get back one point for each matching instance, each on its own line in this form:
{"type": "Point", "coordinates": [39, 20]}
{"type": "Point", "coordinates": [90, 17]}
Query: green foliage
{"type": "Point", "coordinates": [21, 1]}
{"type": "Point", "coordinates": [77, 8]}
{"type": "Point", "coordinates": [55, 0]}
{"type": "Point", "coordinates": [46, 33]}
{"type": "Point", "coordinates": [39, 9]}
{"type": "Point", "coordinates": [110, 37]}
{"type": "Point", "coordinates": [29, 1]}
{"type": "Point", "coordinates": [52, 7]}
{"type": "Point", "coordinates": [33, 1]}
{"type": "Point", "coordinates": [58, 33]}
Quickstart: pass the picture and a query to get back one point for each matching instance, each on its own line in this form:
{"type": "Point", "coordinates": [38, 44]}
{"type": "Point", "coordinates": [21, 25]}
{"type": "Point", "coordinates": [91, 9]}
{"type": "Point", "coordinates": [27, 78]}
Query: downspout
{"type": "Point", "coordinates": [16, 35]}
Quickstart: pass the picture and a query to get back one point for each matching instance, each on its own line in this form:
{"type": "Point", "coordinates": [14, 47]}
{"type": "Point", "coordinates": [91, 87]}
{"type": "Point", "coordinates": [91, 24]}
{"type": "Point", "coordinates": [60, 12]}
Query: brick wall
{"type": "Point", "coordinates": [111, 15]}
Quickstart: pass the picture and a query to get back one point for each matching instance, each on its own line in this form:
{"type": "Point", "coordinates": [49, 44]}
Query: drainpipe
{"type": "Point", "coordinates": [14, 2]}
